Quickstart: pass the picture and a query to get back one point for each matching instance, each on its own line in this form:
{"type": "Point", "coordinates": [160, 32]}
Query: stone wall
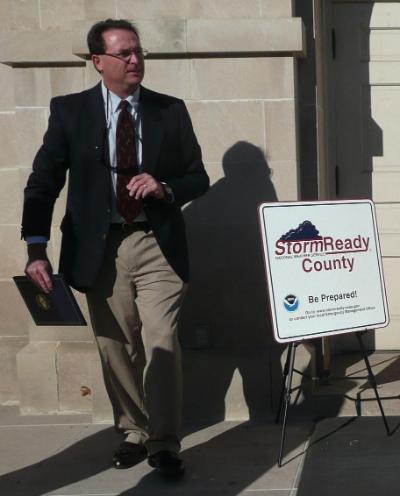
{"type": "Point", "coordinates": [235, 65]}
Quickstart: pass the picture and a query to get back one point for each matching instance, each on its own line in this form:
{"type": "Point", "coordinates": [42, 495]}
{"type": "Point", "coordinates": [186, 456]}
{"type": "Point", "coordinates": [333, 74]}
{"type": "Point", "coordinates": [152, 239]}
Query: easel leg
{"type": "Point", "coordinates": [288, 393]}
{"type": "Point", "coordinates": [372, 381]}
{"type": "Point", "coordinates": [285, 374]}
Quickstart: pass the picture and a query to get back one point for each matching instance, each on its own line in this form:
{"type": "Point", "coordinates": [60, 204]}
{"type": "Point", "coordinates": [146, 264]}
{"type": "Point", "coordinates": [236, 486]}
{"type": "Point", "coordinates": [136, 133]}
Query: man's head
{"type": "Point", "coordinates": [116, 52]}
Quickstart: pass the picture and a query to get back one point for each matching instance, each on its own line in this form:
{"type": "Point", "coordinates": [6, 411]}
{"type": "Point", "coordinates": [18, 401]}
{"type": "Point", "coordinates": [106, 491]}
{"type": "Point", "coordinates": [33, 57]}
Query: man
{"type": "Point", "coordinates": [133, 161]}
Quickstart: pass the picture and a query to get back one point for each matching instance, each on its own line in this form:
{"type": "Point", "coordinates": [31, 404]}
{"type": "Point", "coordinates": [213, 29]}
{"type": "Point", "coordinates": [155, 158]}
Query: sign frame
{"type": "Point", "coordinates": [332, 328]}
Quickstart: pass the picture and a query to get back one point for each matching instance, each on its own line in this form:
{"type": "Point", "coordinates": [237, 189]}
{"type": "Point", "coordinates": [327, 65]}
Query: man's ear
{"type": "Point", "coordinates": [97, 63]}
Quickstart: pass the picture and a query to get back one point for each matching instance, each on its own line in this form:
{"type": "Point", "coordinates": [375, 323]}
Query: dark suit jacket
{"type": "Point", "coordinates": [76, 141]}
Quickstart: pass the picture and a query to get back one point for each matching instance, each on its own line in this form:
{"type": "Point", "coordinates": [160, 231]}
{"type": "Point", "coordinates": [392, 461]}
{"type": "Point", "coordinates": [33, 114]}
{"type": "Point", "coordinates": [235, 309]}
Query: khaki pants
{"type": "Point", "coordinates": [134, 309]}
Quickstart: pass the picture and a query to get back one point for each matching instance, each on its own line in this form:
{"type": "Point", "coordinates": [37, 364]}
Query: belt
{"type": "Point", "coordinates": [125, 227]}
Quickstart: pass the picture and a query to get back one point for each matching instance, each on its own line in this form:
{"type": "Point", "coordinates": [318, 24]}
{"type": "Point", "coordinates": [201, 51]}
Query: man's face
{"type": "Point", "coordinates": [121, 76]}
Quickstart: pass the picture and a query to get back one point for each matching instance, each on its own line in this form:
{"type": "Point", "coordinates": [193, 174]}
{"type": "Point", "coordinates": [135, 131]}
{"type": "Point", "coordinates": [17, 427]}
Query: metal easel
{"type": "Point", "coordinates": [287, 390]}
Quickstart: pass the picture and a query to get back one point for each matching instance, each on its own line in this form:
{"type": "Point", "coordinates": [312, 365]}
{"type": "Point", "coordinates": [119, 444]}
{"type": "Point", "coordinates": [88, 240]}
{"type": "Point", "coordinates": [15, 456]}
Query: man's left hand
{"type": "Point", "coordinates": [144, 185]}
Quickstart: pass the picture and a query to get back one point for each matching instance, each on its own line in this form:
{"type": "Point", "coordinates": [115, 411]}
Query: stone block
{"type": "Point", "coordinates": [10, 198]}
{"type": "Point", "coordinates": [277, 8]}
{"type": "Point", "coordinates": [280, 130]}
{"type": "Point", "coordinates": [37, 378]}
{"type": "Point", "coordinates": [157, 35]}
{"type": "Point", "coordinates": [284, 176]}
{"type": "Point", "coordinates": [280, 35]}
{"type": "Point", "coordinates": [92, 77]}
{"type": "Point", "coordinates": [13, 257]}
{"type": "Point", "coordinates": [100, 9]}
{"type": "Point", "coordinates": [388, 338]}
{"type": "Point", "coordinates": [60, 13]}
{"type": "Point", "coordinates": [250, 391]}
{"type": "Point", "coordinates": [220, 125]}
{"type": "Point", "coordinates": [7, 101]}
{"type": "Point", "coordinates": [24, 173]}
{"type": "Point", "coordinates": [209, 9]}
{"type": "Point", "coordinates": [19, 14]}
{"type": "Point", "coordinates": [30, 126]}
{"type": "Point", "coordinates": [73, 371]}
{"type": "Point", "coordinates": [64, 80]}
{"type": "Point", "coordinates": [54, 245]}
{"type": "Point", "coordinates": [9, 140]}
{"type": "Point", "coordinates": [163, 35]}
{"type": "Point", "coordinates": [9, 347]}
{"type": "Point", "coordinates": [15, 317]}
{"type": "Point", "coordinates": [153, 9]}
{"type": "Point", "coordinates": [102, 410]}
{"type": "Point", "coordinates": [236, 385]}
{"type": "Point", "coordinates": [385, 186]}
{"type": "Point", "coordinates": [222, 79]}
{"type": "Point", "coordinates": [37, 46]}
{"type": "Point", "coordinates": [169, 76]}
{"type": "Point", "coordinates": [235, 402]}
{"type": "Point", "coordinates": [391, 267]}
{"type": "Point", "coordinates": [31, 86]}
{"type": "Point", "coordinates": [60, 333]}
{"type": "Point", "coordinates": [390, 243]}
{"type": "Point", "coordinates": [388, 218]}
{"type": "Point", "coordinates": [388, 221]}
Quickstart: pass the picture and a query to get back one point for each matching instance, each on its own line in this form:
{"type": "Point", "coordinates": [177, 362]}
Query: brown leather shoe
{"type": "Point", "coordinates": [128, 455]}
{"type": "Point", "coordinates": [167, 463]}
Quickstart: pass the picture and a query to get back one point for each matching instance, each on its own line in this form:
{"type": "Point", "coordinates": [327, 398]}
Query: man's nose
{"type": "Point", "coordinates": [134, 56]}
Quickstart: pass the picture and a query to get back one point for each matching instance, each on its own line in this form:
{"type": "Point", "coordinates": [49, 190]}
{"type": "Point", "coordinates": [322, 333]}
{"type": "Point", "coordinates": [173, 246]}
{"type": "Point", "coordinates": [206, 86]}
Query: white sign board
{"type": "Point", "coordinates": [324, 268]}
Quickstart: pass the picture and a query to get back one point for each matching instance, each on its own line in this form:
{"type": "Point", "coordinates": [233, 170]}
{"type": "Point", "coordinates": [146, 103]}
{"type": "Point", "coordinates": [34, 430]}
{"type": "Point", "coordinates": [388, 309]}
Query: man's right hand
{"type": "Point", "coordinates": [38, 268]}
{"type": "Point", "coordinates": [39, 272]}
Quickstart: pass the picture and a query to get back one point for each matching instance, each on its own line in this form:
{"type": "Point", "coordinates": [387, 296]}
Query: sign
{"type": "Point", "coordinates": [324, 268]}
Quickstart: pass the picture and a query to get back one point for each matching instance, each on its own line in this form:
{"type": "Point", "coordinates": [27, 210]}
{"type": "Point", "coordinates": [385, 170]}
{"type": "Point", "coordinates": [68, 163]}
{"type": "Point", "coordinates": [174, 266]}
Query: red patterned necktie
{"type": "Point", "coordinates": [127, 165]}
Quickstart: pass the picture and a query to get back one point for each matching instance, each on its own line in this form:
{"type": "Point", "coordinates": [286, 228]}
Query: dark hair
{"type": "Point", "coordinates": [95, 39]}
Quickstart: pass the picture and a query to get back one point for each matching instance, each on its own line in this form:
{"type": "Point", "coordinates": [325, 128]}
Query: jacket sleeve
{"type": "Point", "coordinates": [194, 181]}
{"type": "Point", "coordinates": [47, 178]}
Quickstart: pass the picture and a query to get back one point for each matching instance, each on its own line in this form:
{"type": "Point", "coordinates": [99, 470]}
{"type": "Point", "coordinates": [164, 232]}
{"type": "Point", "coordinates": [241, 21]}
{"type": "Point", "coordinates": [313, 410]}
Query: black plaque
{"type": "Point", "coordinates": [58, 308]}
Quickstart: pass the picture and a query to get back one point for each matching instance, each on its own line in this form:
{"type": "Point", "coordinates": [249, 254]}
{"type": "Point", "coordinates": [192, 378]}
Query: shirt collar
{"type": "Point", "coordinates": [114, 100]}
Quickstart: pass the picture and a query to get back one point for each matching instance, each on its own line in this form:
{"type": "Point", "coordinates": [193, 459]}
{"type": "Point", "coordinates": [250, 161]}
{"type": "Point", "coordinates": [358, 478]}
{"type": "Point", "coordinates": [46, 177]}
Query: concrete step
{"type": "Point", "coordinates": [348, 388]}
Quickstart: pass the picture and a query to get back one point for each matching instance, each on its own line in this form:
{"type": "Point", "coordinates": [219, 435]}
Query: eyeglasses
{"type": "Point", "coordinates": [126, 55]}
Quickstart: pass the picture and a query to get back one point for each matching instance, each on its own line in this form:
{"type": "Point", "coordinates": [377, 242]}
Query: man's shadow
{"type": "Point", "coordinates": [225, 329]}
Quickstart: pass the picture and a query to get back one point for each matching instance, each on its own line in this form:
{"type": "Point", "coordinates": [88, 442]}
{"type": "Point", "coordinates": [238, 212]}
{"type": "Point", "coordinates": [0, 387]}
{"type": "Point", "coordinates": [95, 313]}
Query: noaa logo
{"type": "Point", "coordinates": [291, 303]}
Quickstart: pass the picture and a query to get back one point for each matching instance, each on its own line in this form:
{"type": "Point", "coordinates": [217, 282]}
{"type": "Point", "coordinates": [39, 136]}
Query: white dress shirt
{"type": "Point", "coordinates": [111, 105]}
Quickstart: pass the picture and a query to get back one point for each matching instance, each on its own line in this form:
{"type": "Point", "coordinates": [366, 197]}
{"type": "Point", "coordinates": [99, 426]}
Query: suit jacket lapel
{"type": "Point", "coordinates": [96, 120]}
{"type": "Point", "coordinates": [152, 131]}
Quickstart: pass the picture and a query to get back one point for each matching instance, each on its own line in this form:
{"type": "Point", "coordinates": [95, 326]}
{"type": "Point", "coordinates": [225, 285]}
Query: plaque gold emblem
{"type": "Point", "coordinates": [43, 302]}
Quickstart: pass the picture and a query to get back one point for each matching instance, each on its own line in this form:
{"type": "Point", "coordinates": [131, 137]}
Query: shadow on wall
{"type": "Point", "coordinates": [225, 322]}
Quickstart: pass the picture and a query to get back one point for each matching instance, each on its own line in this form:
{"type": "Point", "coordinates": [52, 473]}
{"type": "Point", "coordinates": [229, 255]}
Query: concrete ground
{"type": "Point", "coordinates": [328, 451]}
{"type": "Point", "coordinates": [58, 455]}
